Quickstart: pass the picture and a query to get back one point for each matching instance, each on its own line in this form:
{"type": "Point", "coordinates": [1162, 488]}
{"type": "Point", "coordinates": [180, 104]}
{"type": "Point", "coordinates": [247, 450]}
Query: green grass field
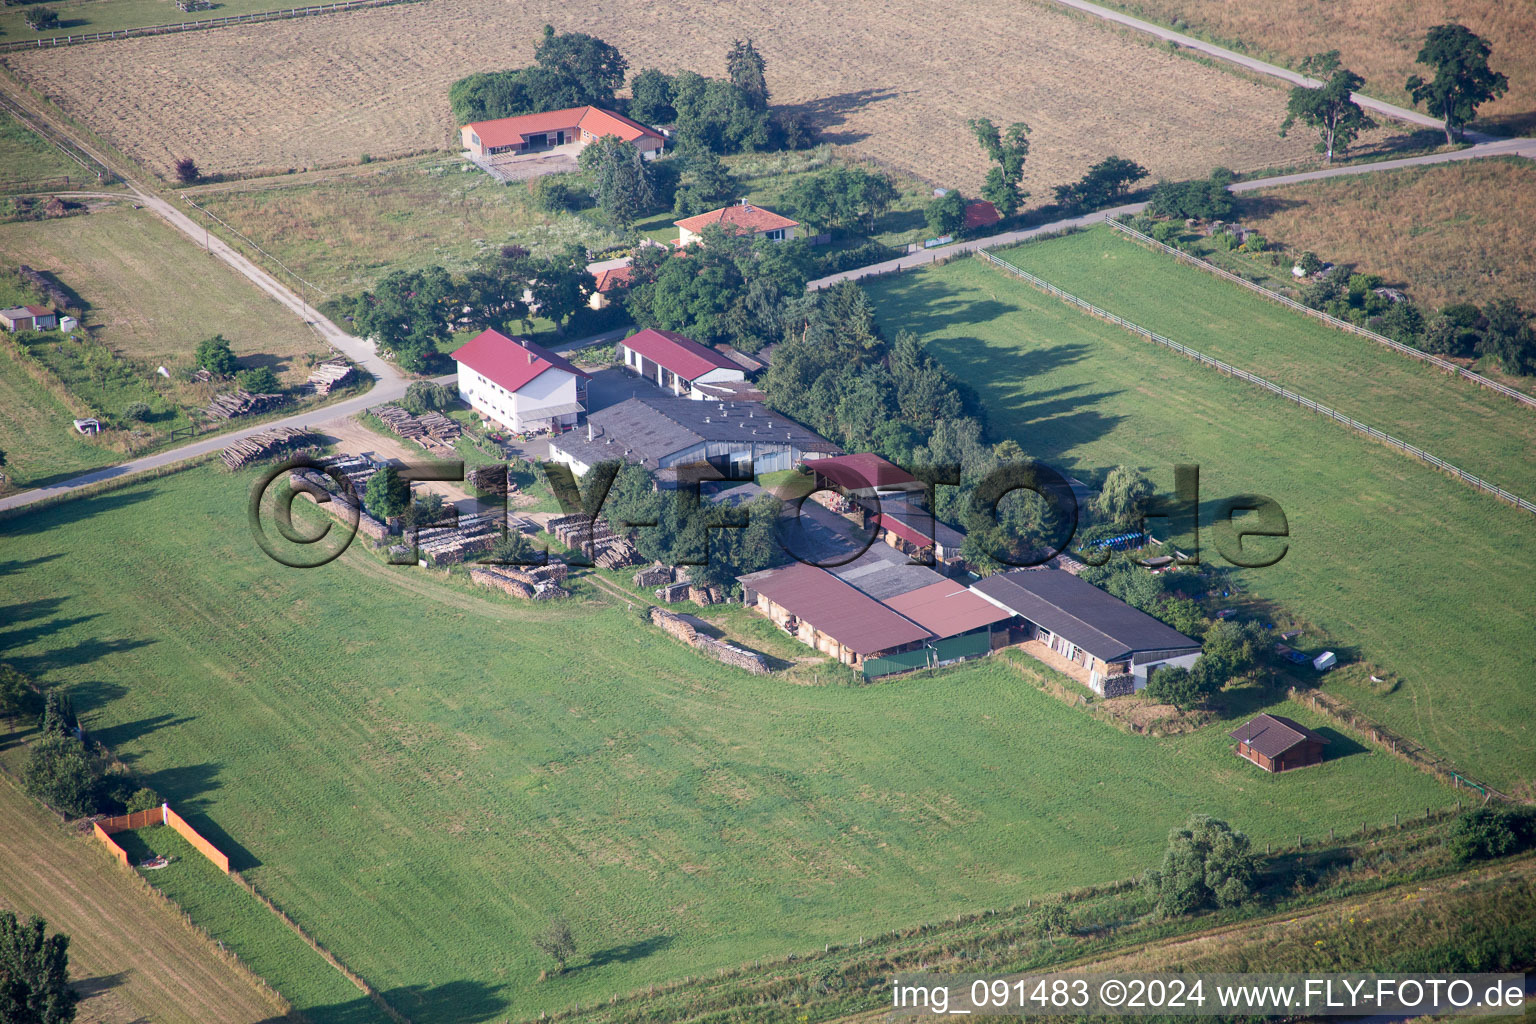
{"type": "Point", "coordinates": [26, 157]}
{"type": "Point", "coordinates": [1402, 567]}
{"type": "Point", "coordinates": [422, 773]}
{"type": "Point", "coordinates": [76, 16]}
{"type": "Point", "coordinates": [1484, 433]}
{"type": "Point", "coordinates": [238, 920]}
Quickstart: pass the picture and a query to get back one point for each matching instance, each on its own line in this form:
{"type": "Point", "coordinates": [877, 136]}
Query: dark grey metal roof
{"type": "Point", "coordinates": [649, 428]}
{"type": "Point", "coordinates": [1098, 622]}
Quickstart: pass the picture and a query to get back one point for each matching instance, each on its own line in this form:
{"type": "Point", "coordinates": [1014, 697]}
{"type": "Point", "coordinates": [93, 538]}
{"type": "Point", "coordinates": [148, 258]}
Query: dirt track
{"type": "Point", "coordinates": [131, 955]}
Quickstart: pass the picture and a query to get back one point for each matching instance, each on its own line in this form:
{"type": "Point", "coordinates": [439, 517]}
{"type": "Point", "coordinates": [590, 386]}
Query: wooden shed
{"type": "Point", "coordinates": [1278, 744]}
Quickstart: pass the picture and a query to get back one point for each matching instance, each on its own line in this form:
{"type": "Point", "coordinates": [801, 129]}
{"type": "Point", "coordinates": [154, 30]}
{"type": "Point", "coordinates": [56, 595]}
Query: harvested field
{"type": "Point", "coordinates": [131, 956]}
{"type": "Point", "coordinates": [1456, 232]}
{"type": "Point", "coordinates": [150, 294]}
{"type": "Point", "coordinates": [327, 90]}
{"type": "Point", "coordinates": [1379, 39]}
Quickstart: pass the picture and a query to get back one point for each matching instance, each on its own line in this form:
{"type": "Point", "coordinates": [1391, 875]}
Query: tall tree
{"type": "Point", "coordinates": [386, 494]}
{"type": "Point", "coordinates": [594, 65]}
{"type": "Point", "coordinates": [34, 973]}
{"type": "Point", "coordinates": [409, 314]}
{"type": "Point", "coordinates": [651, 97]}
{"type": "Point", "coordinates": [1508, 337]}
{"type": "Point", "coordinates": [1123, 499]}
{"type": "Point", "coordinates": [1463, 80]}
{"type": "Point", "coordinates": [746, 68]}
{"type": "Point", "coordinates": [1008, 149]}
{"type": "Point", "coordinates": [619, 180]}
{"type": "Point", "coordinates": [561, 284]}
{"type": "Point", "coordinates": [1330, 108]}
{"type": "Point", "coordinates": [945, 215]}
{"type": "Point", "coordinates": [215, 356]}
{"type": "Point", "coordinates": [557, 942]}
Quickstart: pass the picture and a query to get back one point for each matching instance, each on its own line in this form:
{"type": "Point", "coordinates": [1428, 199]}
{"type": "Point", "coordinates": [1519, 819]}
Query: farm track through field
{"type": "Point", "coordinates": [131, 955]}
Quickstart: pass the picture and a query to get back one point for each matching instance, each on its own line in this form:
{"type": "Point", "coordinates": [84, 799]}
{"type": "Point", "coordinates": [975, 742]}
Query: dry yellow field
{"type": "Point", "coordinates": [893, 80]}
{"type": "Point", "coordinates": [1379, 39]}
{"type": "Point", "coordinates": [1456, 232]}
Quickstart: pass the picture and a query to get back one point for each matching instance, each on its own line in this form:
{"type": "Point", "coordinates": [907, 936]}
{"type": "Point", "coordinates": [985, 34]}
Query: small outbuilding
{"type": "Point", "coordinates": [28, 318]}
{"type": "Point", "coordinates": [1278, 744]}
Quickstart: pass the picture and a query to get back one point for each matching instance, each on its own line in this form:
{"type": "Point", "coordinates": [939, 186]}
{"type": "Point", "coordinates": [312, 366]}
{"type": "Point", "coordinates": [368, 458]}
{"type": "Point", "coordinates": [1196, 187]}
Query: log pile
{"type": "Point", "coordinates": [513, 580]}
{"type": "Point", "coordinates": [672, 593]}
{"type": "Point", "coordinates": [705, 595]}
{"type": "Point", "coordinates": [345, 504]}
{"type": "Point", "coordinates": [329, 375]}
{"type": "Point", "coordinates": [440, 545]}
{"type": "Point", "coordinates": [230, 404]}
{"type": "Point", "coordinates": [595, 539]}
{"type": "Point", "coordinates": [265, 444]}
{"type": "Point", "coordinates": [720, 650]}
{"type": "Point", "coordinates": [440, 427]}
{"type": "Point", "coordinates": [655, 576]}
{"type": "Point", "coordinates": [434, 430]}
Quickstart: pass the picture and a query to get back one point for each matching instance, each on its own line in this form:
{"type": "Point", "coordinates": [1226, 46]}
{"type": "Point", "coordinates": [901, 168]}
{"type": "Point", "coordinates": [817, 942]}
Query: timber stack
{"type": "Point", "coordinates": [231, 404]}
{"type": "Point", "coordinates": [328, 375]}
{"type": "Point", "coordinates": [263, 445]}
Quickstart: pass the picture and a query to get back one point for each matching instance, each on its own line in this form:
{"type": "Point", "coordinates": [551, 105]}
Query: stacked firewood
{"type": "Point", "coordinates": [230, 404]}
{"type": "Point", "coordinates": [263, 445]}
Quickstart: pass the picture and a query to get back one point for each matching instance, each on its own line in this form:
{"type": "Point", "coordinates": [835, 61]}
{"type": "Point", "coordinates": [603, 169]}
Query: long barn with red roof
{"type": "Point", "coordinates": [677, 363]}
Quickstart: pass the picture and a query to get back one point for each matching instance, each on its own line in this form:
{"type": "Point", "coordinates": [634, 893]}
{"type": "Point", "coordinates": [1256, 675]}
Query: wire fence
{"type": "Point", "coordinates": [102, 173]}
{"type": "Point", "coordinates": [1332, 321]}
{"type": "Point", "coordinates": [193, 26]}
{"type": "Point", "coordinates": [1288, 395]}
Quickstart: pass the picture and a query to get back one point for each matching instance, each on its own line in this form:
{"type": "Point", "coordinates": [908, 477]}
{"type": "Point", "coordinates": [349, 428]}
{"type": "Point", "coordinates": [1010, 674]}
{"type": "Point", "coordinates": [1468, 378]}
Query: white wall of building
{"type": "Point", "coordinates": [518, 410]}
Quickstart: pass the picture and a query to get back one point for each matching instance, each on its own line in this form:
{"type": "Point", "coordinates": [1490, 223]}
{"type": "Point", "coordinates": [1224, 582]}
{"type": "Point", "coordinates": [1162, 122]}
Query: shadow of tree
{"type": "Point", "coordinates": [625, 952]}
{"type": "Point", "coordinates": [77, 509]}
{"type": "Point", "coordinates": [830, 111]}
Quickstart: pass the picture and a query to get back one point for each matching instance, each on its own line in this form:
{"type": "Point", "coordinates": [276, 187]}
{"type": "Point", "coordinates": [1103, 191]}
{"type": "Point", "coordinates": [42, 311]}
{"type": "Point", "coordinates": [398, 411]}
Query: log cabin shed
{"type": "Point", "coordinates": [1279, 744]}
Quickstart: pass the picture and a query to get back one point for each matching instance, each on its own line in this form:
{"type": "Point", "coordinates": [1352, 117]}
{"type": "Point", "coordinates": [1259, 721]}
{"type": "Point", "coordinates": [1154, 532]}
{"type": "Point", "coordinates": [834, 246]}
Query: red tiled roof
{"type": "Point", "coordinates": [510, 362]}
{"type": "Point", "coordinates": [980, 214]}
{"type": "Point", "coordinates": [861, 471]}
{"type": "Point", "coordinates": [947, 608]}
{"type": "Point", "coordinates": [510, 131]}
{"type": "Point", "coordinates": [743, 217]}
{"type": "Point", "coordinates": [614, 277]}
{"type": "Point", "coordinates": [851, 617]}
{"type": "Point", "coordinates": [683, 356]}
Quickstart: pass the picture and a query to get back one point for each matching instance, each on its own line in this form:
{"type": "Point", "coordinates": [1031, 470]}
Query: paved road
{"type": "Point", "coordinates": [1254, 64]}
{"type": "Point", "coordinates": [1483, 150]}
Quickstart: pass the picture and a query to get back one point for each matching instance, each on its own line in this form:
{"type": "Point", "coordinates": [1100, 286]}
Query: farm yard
{"type": "Point", "coordinates": [1378, 39]}
{"type": "Point", "coordinates": [422, 798]}
{"type": "Point", "coordinates": [1481, 431]}
{"type": "Point", "coordinates": [325, 91]}
{"type": "Point", "coordinates": [1380, 544]}
{"type": "Point", "coordinates": [1455, 232]}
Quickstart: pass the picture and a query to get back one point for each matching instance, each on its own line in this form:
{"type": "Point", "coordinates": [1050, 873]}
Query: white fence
{"type": "Point", "coordinates": [1304, 402]}
{"type": "Point", "coordinates": [1333, 321]}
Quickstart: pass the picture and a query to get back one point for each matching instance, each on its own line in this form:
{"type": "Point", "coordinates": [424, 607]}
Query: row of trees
{"type": "Point", "coordinates": [62, 769]}
{"type": "Point", "coordinates": [1462, 82]}
{"type": "Point", "coordinates": [570, 69]}
{"type": "Point", "coordinates": [412, 313]}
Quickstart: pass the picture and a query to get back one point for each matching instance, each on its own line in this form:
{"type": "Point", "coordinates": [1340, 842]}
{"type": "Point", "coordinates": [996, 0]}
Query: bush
{"type": "Point", "coordinates": [42, 19]}
{"type": "Point", "coordinates": [1489, 832]}
{"type": "Point", "coordinates": [1255, 242]}
{"type": "Point", "coordinates": [426, 396]}
{"type": "Point", "coordinates": [1224, 240]}
{"type": "Point", "coordinates": [60, 772]}
{"type": "Point", "coordinates": [1052, 920]}
{"type": "Point", "coordinates": [858, 256]}
{"type": "Point", "coordinates": [136, 411]}
{"type": "Point", "coordinates": [1310, 263]}
{"type": "Point", "coordinates": [143, 799]}
{"type": "Point", "coordinates": [186, 171]}
{"type": "Point", "coordinates": [1174, 685]}
{"type": "Point", "coordinates": [1207, 864]}
{"type": "Point", "coordinates": [259, 380]}
{"type": "Point", "coordinates": [556, 193]}
{"type": "Point", "coordinates": [1165, 231]}
{"type": "Point", "coordinates": [215, 356]}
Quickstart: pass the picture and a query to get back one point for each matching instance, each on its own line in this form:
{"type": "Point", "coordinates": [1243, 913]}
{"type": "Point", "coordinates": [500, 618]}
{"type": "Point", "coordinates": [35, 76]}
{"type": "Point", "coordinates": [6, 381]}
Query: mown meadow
{"type": "Point", "coordinates": [1401, 567]}
{"type": "Point", "coordinates": [422, 774]}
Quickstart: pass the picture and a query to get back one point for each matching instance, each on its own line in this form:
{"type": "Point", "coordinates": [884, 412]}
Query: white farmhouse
{"type": "Point", "coordinates": [518, 384]}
